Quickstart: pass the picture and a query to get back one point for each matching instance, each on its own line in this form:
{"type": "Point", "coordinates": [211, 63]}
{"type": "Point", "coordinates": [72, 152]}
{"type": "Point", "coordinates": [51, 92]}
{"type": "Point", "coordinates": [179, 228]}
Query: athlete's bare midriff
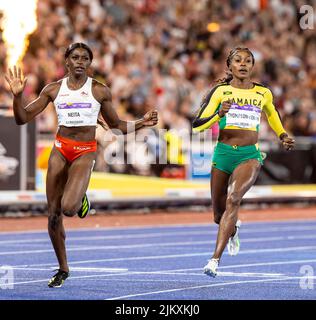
{"type": "Point", "coordinates": [85, 133]}
{"type": "Point", "coordinates": [238, 137]}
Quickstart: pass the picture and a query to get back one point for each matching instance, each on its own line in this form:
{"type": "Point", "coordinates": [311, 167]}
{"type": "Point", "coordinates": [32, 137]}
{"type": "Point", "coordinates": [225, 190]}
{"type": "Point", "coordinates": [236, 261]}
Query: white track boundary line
{"type": "Point", "coordinates": [148, 245]}
{"type": "Point", "coordinates": [153, 226]}
{"type": "Point", "coordinates": [174, 271]}
{"type": "Point", "coordinates": [127, 228]}
{"type": "Point", "coordinates": [159, 234]}
{"type": "Point", "coordinates": [177, 271]}
{"type": "Point", "coordinates": [53, 265]}
{"type": "Point", "coordinates": [76, 269]}
{"type": "Point", "coordinates": [95, 276]}
{"type": "Point", "coordinates": [200, 287]}
{"type": "Point", "coordinates": [259, 264]}
{"type": "Point", "coordinates": [122, 259]}
{"type": "Point", "coordinates": [75, 277]}
{"type": "Point", "coordinates": [33, 242]}
{"type": "Point", "coordinates": [267, 263]}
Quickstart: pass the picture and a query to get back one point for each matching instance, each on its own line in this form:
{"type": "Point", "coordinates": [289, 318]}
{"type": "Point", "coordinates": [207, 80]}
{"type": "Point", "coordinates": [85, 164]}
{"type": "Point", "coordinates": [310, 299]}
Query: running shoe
{"type": "Point", "coordinates": [211, 268]}
{"type": "Point", "coordinates": [233, 242]}
{"type": "Point", "coordinates": [58, 279]}
{"type": "Point", "coordinates": [85, 207]}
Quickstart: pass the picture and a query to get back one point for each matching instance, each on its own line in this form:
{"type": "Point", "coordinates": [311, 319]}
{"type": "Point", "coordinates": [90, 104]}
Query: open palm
{"type": "Point", "coordinates": [16, 80]}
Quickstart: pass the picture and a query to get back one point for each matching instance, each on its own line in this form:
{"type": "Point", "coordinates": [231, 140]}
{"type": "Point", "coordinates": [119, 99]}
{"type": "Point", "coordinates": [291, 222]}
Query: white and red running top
{"type": "Point", "coordinates": [76, 108]}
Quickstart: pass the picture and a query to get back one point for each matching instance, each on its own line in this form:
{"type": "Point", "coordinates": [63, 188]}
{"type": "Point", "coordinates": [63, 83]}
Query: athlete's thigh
{"type": "Point", "coordinates": [219, 184]}
{"type": "Point", "coordinates": [79, 175]}
{"type": "Point", "coordinates": [56, 178]}
{"type": "Point", "coordinates": [244, 176]}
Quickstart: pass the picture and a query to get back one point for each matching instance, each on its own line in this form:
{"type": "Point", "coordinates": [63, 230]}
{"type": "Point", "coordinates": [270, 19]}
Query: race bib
{"type": "Point", "coordinates": [247, 116]}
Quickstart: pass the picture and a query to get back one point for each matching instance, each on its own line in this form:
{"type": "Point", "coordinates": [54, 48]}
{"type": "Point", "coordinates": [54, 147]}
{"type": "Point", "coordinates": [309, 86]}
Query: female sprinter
{"type": "Point", "coordinates": [78, 99]}
{"type": "Point", "coordinates": [236, 103]}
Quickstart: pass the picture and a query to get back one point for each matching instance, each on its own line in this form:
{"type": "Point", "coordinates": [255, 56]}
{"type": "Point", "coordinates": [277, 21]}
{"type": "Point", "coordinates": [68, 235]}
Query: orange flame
{"type": "Point", "coordinates": [18, 22]}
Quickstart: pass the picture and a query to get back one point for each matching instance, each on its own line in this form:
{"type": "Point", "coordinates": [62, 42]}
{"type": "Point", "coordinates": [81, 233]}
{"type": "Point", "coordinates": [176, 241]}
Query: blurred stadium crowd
{"type": "Point", "coordinates": [166, 54]}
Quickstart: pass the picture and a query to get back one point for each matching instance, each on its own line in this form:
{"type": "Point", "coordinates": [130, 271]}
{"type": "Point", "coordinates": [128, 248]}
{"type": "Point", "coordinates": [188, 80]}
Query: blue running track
{"type": "Point", "coordinates": [276, 261]}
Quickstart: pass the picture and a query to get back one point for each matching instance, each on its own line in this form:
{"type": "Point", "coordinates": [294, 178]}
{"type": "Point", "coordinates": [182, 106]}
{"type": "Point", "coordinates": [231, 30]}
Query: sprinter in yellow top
{"type": "Point", "coordinates": [245, 107]}
{"type": "Point", "coordinates": [236, 103]}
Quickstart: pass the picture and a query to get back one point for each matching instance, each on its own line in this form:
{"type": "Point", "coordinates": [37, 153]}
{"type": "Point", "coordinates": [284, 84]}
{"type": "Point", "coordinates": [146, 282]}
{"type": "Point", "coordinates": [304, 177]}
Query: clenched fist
{"type": "Point", "coordinates": [287, 142]}
{"type": "Point", "coordinates": [226, 105]}
{"type": "Point", "coordinates": [150, 118]}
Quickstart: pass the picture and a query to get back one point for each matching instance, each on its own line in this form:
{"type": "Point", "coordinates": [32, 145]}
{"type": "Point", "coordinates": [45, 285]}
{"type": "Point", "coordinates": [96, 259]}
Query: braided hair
{"type": "Point", "coordinates": [229, 75]}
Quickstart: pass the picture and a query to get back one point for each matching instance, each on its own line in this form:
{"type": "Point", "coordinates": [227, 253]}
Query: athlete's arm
{"type": "Point", "coordinates": [275, 122]}
{"type": "Point", "coordinates": [103, 94]}
{"type": "Point", "coordinates": [208, 114]}
{"type": "Point", "coordinates": [24, 114]}
{"type": "Point", "coordinates": [273, 115]}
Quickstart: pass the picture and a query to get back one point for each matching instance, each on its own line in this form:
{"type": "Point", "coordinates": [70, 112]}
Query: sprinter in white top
{"type": "Point", "coordinates": [76, 108]}
{"type": "Point", "coordinates": [78, 100]}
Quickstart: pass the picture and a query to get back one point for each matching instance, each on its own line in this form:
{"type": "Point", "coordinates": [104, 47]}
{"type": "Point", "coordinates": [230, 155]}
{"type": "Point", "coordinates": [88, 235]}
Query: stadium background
{"type": "Point", "coordinates": [165, 55]}
{"type": "Point", "coordinates": [152, 228]}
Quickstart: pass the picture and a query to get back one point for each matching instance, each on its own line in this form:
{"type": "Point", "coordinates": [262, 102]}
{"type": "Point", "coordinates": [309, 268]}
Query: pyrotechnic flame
{"type": "Point", "coordinates": [18, 22]}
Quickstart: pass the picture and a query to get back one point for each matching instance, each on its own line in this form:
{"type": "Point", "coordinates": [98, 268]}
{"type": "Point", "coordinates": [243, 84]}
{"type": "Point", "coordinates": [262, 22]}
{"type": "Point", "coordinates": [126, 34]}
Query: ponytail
{"type": "Point", "coordinates": [227, 79]}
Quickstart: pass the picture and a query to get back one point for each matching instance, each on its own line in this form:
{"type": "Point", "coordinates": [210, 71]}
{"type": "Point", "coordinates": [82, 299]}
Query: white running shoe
{"type": "Point", "coordinates": [233, 242]}
{"type": "Point", "coordinates": [211, 268]}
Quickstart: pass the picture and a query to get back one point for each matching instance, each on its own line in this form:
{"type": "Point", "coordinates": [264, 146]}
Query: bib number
{"type": "Point", "coordinates": [247, 116]}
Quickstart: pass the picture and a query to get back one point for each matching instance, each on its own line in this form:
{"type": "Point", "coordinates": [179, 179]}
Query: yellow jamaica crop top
{"type": "Point", "coordinates": [245, 111]}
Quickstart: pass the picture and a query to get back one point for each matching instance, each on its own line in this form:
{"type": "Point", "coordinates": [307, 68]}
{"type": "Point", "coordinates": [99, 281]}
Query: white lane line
{"type": "Point", "coordinates": [102, 275]}
{"type": "Point", "coordinates": [79, 269]}
{"type": "Point", "coordinates": [176, 256]}
{"type": "Point", "coordinates": [270, 263]}
{"type": "Point", "coordinates": [110, 247]}
{"type": "Point", "coordinates": [240, 274]}
{"type": "Point", "coordinates": [267, 263]}
{"type": "Point", "coordinates": [184, 255]}
{"type": "Point", "coordinates": [72, 277]}
{"type": "Point", "coordinates": [142, 280]}
{"type": "Point", "coordinates": [261, 224]}
{"type": "Point", "coordinates": [159, 234]}
{"type": "Point", "coordinates": [148, 245]}
{"type": "Point", "coordinates": [161, 272]}
{"type": "Point", "coordinates": [94, 269]}
{"type": "Point", "coordinates": [79, 247]}
{"type": "Point", "coordinates": [175, 272]}
{"type": "Point", "coordinates": [244, 240]}
{"type": "Point", "coordinates": [201, 287]}
{"type": "Point", "coordinates": [220, 273]}
{"type": "Point", "coordinates": [126, 228]}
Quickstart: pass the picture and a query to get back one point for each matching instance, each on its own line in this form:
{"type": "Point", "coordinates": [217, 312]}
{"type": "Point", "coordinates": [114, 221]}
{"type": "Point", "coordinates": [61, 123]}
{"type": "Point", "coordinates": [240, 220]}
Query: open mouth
{"type": "Point", "coordinates": [243, 70]}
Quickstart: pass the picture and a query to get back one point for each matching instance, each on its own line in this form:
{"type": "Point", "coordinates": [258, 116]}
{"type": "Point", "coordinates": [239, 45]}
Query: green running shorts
{"type": "Point", "coordinates": [226, 158]}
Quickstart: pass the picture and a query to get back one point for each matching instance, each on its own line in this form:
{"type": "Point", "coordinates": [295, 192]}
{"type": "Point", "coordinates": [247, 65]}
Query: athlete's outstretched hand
{"type": "Point", "coordinates": [16, 80]}
{"type": "Point", "coordinates": [224, 108]}
{"type": "Point", "coordinates": [287, 142]}
{"type": "Point", "coordinates": [150, 118]}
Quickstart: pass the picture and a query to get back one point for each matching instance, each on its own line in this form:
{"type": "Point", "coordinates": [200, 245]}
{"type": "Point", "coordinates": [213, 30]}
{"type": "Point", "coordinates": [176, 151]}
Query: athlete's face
{"type": "Point", "coordinates": [78, 61]}
{"type": "Point", "coordinates": [241, 65]}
